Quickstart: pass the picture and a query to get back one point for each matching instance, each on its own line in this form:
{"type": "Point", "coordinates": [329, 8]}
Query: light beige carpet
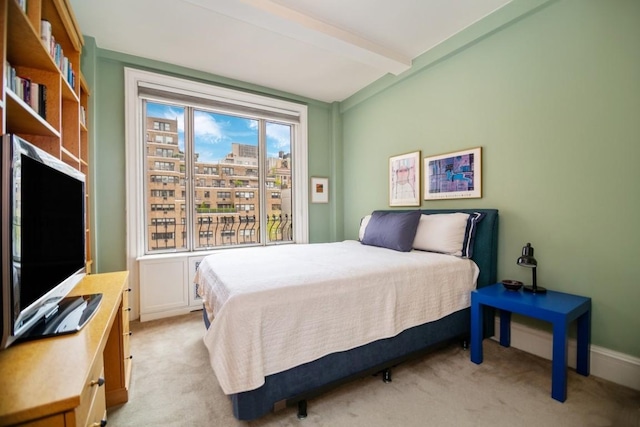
{"type": "Point", "coordinates": [173, 385]}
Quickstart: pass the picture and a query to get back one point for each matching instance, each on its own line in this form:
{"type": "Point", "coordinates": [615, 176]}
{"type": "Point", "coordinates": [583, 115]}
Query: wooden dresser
{"type": "Point", "coordinates": [71, 379]}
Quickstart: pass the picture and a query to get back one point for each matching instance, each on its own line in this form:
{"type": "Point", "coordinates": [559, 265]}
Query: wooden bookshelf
{"type": "Point", "coordinates": [62, 132]}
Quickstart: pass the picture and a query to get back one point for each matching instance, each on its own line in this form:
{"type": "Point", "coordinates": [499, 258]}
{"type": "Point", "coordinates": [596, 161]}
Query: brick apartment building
{"type": "Point", "coordinates": [227, 201]}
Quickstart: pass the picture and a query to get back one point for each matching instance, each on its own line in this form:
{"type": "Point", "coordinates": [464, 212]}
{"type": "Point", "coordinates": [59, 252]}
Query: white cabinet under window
{"type": "Point", "coordinates": [167, 286]}
{"type": "Point", "coordinates": [163, 290]}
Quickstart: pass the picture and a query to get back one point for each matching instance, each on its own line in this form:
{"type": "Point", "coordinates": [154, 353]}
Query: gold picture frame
{"type": "Point", "coordinates": [456, 175]}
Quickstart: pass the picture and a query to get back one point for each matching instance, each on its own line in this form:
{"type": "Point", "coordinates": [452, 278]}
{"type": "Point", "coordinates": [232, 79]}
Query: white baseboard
{"type": "Point", "coordinates": [607, 364]}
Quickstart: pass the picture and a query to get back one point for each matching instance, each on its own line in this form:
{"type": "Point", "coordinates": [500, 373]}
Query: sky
{"type": "Point", "coordinates": [214, 133]}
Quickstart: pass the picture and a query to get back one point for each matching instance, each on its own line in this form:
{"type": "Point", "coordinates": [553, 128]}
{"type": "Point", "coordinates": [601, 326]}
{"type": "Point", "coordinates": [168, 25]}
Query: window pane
{"type": "Point", "coordinates": [227, 198]}
{"type": "Point", "coordinates": [165, 179]}
{"type": "Point", "coordinates": [278, 182]}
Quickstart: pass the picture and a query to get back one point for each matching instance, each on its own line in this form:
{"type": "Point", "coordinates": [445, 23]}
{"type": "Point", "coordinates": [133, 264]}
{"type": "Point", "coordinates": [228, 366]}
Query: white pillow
{"type": "Point", "coordinates": [363, 226]}
{"type": "Point", "coordinates": [442, 233]}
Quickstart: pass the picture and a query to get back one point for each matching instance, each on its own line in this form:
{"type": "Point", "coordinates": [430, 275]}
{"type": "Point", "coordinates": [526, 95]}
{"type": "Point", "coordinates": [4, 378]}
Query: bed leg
{"type": "Point", "coordinates": [386, 375]}
{"type": "Point", "coordinates": [302, 409]}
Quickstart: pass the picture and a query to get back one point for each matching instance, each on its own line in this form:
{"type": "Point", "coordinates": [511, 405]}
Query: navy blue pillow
{"type": "Point", "coordinates": [392, 230]}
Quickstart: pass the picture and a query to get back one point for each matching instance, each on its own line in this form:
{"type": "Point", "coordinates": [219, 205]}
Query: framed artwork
{"type": "Point", "coordinates": [404, 179]}
{"type": "Point", "coordinates": [319, 190]}
{"type": "Point", "coordinates": [456, 175]}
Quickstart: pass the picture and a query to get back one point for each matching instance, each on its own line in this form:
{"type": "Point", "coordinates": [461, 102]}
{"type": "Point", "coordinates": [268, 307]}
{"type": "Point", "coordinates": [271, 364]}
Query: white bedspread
{"type": "Point", "coordinates": [280, 306]}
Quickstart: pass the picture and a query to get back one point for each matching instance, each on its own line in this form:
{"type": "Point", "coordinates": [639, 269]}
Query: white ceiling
{"type": "Point", "coordinates": [321, 49]}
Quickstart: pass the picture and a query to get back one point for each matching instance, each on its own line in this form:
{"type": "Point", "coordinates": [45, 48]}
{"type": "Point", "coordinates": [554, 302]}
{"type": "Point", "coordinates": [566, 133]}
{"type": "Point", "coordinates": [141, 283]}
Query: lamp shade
{"type": "Point", "coordinates": [527, 259]}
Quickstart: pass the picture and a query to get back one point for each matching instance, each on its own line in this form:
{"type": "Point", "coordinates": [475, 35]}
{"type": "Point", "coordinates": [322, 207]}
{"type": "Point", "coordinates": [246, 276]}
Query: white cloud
{"type": "Point", "coordinates": [207, 129]}
{"type": "Point", "coordinates": [279, 136]}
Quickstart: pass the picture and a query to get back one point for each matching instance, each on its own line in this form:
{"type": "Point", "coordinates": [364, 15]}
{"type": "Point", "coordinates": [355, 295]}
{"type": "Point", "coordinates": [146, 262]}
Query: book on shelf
{"type": "Point", "coordinates": [45, 34]}
{"type": "Point", "coordinates": [25, 82]}
{"type": "Point", "coordinates": [7, 74]}
{"type": "Point", "coordinates": [34, 99]}
{"type": "Point", "coordinates": [56, 52]}
{"type": "Point", "coordinates": [83, 115]}
{"type": "Point", "coordinates": [33, 94]}
{"type": "Point", "coordinates": [42, 101]}
{"type": "Point", "coordinates": [10, 76]}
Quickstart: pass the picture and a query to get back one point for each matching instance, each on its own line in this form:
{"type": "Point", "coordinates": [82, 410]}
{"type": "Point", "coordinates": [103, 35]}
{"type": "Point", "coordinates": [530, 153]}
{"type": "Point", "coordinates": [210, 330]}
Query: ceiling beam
{"type": "Point", "coordinates": [304, 28]}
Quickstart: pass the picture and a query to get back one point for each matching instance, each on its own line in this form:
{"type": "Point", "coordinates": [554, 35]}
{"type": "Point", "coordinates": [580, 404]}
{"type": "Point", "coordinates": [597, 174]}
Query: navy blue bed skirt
{"type": "Point", "coordinates": [310, 379]}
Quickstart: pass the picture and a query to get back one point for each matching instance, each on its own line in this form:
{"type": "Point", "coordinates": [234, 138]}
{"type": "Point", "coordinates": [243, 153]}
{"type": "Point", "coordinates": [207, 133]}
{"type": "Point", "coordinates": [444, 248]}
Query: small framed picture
{"type": "Point", "coordinates": [456, 175]}
{"type": "Point", "coordinates": [319, 190]}
{"type": "Point", "coordinates": [404, 179]}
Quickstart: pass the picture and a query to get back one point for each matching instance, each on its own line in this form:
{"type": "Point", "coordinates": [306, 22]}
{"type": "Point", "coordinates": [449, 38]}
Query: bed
{"type": "Point", "coordinates": [286, 323]}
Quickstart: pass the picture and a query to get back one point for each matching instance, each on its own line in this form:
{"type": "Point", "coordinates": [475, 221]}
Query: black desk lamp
{"type": "Point", "coordinates": [527, 260]}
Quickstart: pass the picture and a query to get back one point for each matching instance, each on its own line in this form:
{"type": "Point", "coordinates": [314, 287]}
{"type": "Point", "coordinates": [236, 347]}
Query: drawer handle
{"type": "Point", "coordinates": [99, 382]}
{"type": "Point", "coordinates": [102, 423]}
{"type": "Point", "coordinates": [128, 333]}
{"type": "Point", "coordinates": [127, 309]}
{"type": "Point", "coordinates": [128, 290]}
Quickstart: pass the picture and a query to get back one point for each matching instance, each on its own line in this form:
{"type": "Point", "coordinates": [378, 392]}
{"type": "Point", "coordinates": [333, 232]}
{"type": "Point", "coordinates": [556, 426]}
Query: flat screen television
{"type": "Point", "coordinates": [43, 244]}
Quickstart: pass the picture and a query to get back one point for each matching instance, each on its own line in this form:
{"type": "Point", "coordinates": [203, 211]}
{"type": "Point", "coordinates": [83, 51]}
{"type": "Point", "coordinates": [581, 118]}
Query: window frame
{"type": "Point", "coordinates": [135, 153]}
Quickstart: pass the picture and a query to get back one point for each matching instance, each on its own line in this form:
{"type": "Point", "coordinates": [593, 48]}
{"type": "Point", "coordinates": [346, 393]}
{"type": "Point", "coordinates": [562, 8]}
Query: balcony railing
{"type": "Point", "coordinates": [224, 230]}
{"type": "Point", "coordinates": [280, 228]}
{"type": "Point", "coordinates": [242, 229]}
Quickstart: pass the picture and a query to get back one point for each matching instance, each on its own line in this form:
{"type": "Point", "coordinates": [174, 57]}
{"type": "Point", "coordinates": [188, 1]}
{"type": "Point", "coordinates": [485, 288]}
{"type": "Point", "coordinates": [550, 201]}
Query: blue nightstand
{"type": "Point", "coordinates": [556, 307]}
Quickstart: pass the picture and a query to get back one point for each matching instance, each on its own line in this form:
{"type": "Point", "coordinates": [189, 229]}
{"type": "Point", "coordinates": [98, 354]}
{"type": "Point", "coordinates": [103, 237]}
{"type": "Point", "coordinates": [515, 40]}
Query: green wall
{"type": "Point", "coordinates": [104, 72]}
{"type": "Point", "coordinates": [553, 99]}
{"type": "Point", "coordinates": [549, 89]}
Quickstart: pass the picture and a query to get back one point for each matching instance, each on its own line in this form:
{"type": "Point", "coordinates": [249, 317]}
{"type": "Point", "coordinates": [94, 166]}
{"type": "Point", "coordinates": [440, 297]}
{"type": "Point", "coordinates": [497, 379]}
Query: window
{"type": "Point", "coordinates": [164, 166]}
{"type": "Point", "coordinates": [209, 170]}
{"type": "Point", "coordinates": [164, 221]}
{"type": "Point", "coordinates": [162, 236]}
{"type": "Point", "coordinates": [163, 193]}
{"type": "Point", "coordinates": [165, 179]}
{"type": "Point", "coordinates": [252, 145]}
{"type": "Point", "coordinates": [163, 152]}
{"type": "Point", "coordinates": [162, 207]}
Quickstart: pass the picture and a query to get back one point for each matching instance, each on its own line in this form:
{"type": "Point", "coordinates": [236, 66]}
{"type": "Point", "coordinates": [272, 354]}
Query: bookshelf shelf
{"type": "Point", "coordinates": [23, 120]}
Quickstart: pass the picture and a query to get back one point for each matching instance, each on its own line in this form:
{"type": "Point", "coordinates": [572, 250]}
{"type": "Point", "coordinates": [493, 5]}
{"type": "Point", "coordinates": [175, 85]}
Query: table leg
{"type": "Point", "coordinates": [505, 328]}
{"type": "Point", "coordinates": [559, 361]}
{"type": "Point", "coordinates": [584, 342]}
{"type": "Point", "coordinates": [476, 331]}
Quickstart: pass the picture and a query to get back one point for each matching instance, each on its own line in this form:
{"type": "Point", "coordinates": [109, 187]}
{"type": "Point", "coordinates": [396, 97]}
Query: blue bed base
{"type": "Point", "coordinates": [296, 385]}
